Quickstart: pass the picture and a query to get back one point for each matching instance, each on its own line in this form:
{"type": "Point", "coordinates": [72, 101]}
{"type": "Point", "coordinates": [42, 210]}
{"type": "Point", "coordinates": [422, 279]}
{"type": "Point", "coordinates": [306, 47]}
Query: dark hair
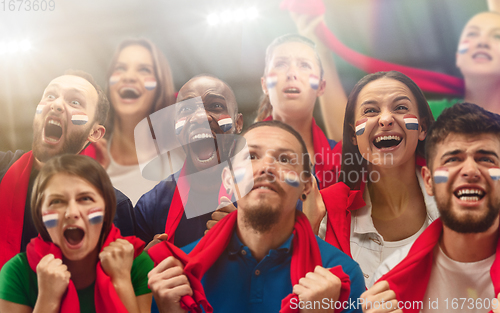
{"type": "Point", "coordinates": [102, 107]}
{"type": "Point", "coordinates": [165, 91]}
{"type": "Point", "coordinates": [265, 108]}
{"type": "Point", "coordinates": [80, 166]}
{"type": "Point", "coordinates": [462, 118]}
{"type": "Point", "coordinates": [306, 158]}
{"type": "Point", "coordinates": [349, 149]}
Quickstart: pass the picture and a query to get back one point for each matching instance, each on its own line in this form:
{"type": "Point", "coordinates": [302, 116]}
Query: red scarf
{"type": "Point", "coordinates": [90, 151]}
{"type": "Point", "coordinates": [327, 160]}
{"type": "Point", "coordinates": [13, 192]}
{"type": "Point", "coordinates": [105, 296]}
{"type": "Point", "coordinates": [409, 279]}
{"type": "Point", "coordinates": [176, 207]}
{"type": "Point", "coordinates": [427, 80]}
{"type": "Point", "coordinates": [305, 257]}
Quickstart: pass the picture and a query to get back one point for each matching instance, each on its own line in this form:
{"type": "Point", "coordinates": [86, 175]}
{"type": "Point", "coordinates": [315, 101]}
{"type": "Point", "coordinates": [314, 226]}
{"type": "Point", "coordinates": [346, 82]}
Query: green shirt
{"type": "Point", "coordinates": [438, 106]}
{"type": "Point", "coordinates": [18, 283]}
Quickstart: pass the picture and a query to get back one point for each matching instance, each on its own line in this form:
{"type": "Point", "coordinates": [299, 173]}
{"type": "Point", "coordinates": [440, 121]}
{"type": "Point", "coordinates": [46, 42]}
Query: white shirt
{"type": "Point", "coordinates": [368, 247]}
{"type": "Point", "coordinates": [128, 178]}
{"type": "Point", "coordinates": [458, 287]}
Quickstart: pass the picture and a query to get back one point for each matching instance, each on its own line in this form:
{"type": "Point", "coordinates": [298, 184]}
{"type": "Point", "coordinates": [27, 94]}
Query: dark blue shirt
{"type": "Point", "coordinates": [151, 213]}
{"type": "Point", "coordinates": [238, 283]}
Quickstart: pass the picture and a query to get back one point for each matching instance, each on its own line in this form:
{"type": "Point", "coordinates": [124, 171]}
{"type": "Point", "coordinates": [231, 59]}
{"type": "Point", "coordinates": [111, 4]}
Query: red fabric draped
{"type": "Point", "coordinates": [13, 192]}
{"type": "Point", "coordinates": [410, 277]}
{"type": "Point", "coordinates": [305, 257]}
{"type": "Point", "coordinates": [105, 296]}
{"type": "Point", "coordinates": [427, 80]}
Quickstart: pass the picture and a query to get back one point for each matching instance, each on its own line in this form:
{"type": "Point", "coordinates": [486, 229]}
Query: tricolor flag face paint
{"type": "Point", "coordinates": [96, 216]}
{"type": "Point", "coordinates": [50, 219]}
{"type": "Point", "coordinates": [179, 125]}
{"type": "Point", "coordinates": [39, 108]}
{"type": "Point", "coordinates": [114, 79]}
{"type": "Point", "coordinates": [292, 179]}
{"type": "Point", "coordinates": [271, 81]}
{"type": "Point", "coordinates": [463, 47]}
{"type": "Point", "coordinates": [494, 173]}
{"type": "Point", "coordinates": [411, 122]}
{"type": "Point", "coordinates": [314, 81]}
{"type": "Point", "coordinates": [150, 83]}
{"type": "Point", "coordinates": [360, 126]}
{"type": "Point", "coordinates": [441, 175]}
{"type": "Point", "coordinates": [239, 174]}
{"type": "Point", "coordinates": [225, 123]}
{"type": "Point", "coordinates": [79, 118]}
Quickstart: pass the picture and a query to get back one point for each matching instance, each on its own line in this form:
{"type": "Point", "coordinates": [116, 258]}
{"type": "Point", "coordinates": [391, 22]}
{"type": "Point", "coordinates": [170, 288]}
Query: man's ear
{"type": "Point", "coordinates": [428, 181]}
{"type": "Point", "coordinates": [308, 185]}
{"type": "Point", "coordinates": [227, 180]}
{"type": "Point", "coordinates": [239, 123]}
{"type": "Point", "coordinates": [321, 88]}
{"type": "Point", "coordinates": [97, 133]}
{"type": "Point", "coordinates": [264, 85]}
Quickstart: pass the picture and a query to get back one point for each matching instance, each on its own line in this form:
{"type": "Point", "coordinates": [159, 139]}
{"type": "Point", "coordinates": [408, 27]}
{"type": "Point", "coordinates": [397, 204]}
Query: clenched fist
{"type": "Point", "coordinates": [117, 258]}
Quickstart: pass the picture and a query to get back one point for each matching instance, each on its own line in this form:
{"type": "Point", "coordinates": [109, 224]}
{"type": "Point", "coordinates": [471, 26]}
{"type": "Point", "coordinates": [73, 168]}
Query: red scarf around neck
{"type": "Point", "coordinates": [105, 296]}
{"type": "Point", "coordinates": [13, 192]}
{"type": "Point", "coordinates": [409, 279]}
{"type": "Point", "coordinates": [327, 160]}
{"type": "Point", "coordinates": [305, 257]}
{"type": "Point", "coordinates": [427, 80]}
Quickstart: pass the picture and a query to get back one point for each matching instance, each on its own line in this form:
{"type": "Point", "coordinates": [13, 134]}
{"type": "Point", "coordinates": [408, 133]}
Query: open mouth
{"type": "Point", "coordinates": [129, 93]}
{"type": "Point", "coordinates": [481, 56]}
{"type": "Point", "coordinates": [53, 130]}
{"type": "Point", "coordinates": [383, 142]}
{"type": "Point", "coordinates": [74, 235]}
{"type": "Point", "coordinates": [204, 147]}
{"type": "Point", "coordinates": [469, 194]}
{"type": "Point", "coordinates": [292, 90]}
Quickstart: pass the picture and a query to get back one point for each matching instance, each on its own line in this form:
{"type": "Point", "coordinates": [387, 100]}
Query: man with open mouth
{"type": "Point", "coordinates": [206, 113]}
{"type": "Point", "coordinates": [70, 115]}
{"type": "Point", "coordinates": [453, 265]}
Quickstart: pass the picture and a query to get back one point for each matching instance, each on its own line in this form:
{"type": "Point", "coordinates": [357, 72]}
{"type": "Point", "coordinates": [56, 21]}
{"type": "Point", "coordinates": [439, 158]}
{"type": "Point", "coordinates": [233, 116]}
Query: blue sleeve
{"type": "Point", "coordinates": [332, 257]}
{"type": "Point", "coordinates": [124, 216]}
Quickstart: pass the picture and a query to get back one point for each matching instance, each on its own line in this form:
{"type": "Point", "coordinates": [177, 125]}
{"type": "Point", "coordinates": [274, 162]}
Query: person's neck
{"type": "Point", "coordinates": [303, 126]}
{"type": "Point", "coordinates": [123, 143]}
{"type": "Point", "coordinates": [472, 247]}
{"type": "Point", "coordinates": [83, 272]}
{"type": "Point", "coordinates": [261, 243]}
{"type": "Point", "coordinates": [484, 92]}
{"type": "Point", "coordinates": [388, 199]}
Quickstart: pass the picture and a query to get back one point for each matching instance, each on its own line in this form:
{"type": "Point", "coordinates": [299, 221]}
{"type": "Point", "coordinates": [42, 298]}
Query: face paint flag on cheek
{"type": "Point", "coordinates": [411, 122]}
{"type": "Point", "coordinates": [271, 81]}
{"type": "Point", "coordinates": [179, 125]}
{"type": "Point", "coordinates": [96, 216]}
{"type": "Point", "coordinates": [114, 79]}
{"type": "Point", "coordinates": [494, 173]}
{"type": "Point", "coordinates": [239, 174]}
{"type": "Point", "coordinates": [225, 123]}
{"type": "Point", "coordinates": [39, 108]}
{"type": "Point", "coordinates": [360, 126]}
{"type": "Point", "coordinates": [441, 175]}
{"type": "Point", "coordinates": [463, 47]}
{"type": "Point", "coordinates": [150, 83]}
{"type": "Point", "coordinates": [50, 219]}
{"type": "Point", "coordinates": [314, 81]}
{"type": "Point", "coordinates": [292, 179]}
{"type": "Point", "coordinates": [79, 118]}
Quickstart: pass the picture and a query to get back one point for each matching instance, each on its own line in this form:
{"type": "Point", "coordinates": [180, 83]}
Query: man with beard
{"type": "Point", "coordinates": [265, 251]}
{"type": "Point", "coordinates": [70, 115]}
{"type": "Point", "coordinates": [206, 112]}
{"type": "Point", "coordinates": [452, 265]}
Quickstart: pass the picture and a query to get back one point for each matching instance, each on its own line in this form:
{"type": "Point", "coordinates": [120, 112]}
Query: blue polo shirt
{"type": "Point", "coordinates": [237, 282]}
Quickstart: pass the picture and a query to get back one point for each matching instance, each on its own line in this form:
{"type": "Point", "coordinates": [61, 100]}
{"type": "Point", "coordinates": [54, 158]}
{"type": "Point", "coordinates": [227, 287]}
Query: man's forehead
{"type": "Point", "coordinates": [470, 142]}
{"type": "Point", "coordinates": [75, 83]}
{"type": "Point", "coordinates": [484, 19]}
{"type": "Point", "coordinates": [268, 137]}
{"type": "Point", "coordinates": [202, 85]}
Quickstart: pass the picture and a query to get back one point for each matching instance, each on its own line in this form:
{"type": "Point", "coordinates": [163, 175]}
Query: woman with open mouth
{"type": "Point", "coordinates": [139, 83]}
{"type": "Point", "coordinates": [79, 262]}
{"type": "Point", "coordinates": [380, 204]}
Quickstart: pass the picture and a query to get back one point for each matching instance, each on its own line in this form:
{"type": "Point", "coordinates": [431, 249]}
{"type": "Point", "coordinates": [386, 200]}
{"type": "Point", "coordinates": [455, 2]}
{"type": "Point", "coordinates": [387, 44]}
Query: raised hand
{"type": "Point", "coordinates": [380, 293]}
{"type": "Point", "coordinates": [116, 260]}
{"type": "Point", "coordinates": [53, 279]}
{"type": "Point", "coordinates": [316, 286]}
{"type": "Point", "coordinates": [224, 208]}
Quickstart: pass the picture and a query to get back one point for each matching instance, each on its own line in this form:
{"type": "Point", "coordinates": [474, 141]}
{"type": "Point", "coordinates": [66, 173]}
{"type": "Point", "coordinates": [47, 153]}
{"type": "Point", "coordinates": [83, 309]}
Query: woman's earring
{"type": "Point", "coordinates": [304, 197]}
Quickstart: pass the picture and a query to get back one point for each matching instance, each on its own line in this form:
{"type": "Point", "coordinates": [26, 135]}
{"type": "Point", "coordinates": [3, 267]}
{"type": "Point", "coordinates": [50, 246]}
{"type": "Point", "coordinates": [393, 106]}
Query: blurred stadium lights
{"type": "Point", "coordinates": [15, 46]}
{"type": "Point", "coordinates": [232, 16]}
